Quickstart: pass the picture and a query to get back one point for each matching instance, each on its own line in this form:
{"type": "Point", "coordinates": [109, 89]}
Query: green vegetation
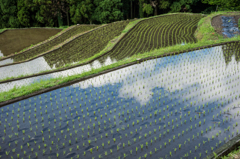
{"type": "Point", "coordinates": [156, 36]}
{"type": "Point", "coordinates": [78, 54]}
{"type": "Point", "coordinates": [91, 118]}
{"type": "Point", "coordinates": [1, 30]}
{"type": "Point", "coordinates": [234, 154]}
{"type": "Point", "coordinates": [52, 42]}
{"type": "Point", "coordinates": [203, 34]}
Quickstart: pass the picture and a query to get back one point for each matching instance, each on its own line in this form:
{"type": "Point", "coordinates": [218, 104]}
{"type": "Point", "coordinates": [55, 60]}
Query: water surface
{"type": "Point", "coordinates": [164, 97]}
{"type": "Point", "coordinates": [79, 49]}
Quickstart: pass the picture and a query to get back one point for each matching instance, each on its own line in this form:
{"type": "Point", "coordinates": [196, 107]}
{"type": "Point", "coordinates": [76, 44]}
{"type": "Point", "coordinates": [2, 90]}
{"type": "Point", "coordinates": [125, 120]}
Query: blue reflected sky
{"type": "Point", "coordinates": [177, 87]}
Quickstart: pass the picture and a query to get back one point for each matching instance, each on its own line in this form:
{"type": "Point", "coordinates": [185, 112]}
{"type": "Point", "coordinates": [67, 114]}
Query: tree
{"type": "Point", "coordinates": [154, 5]}
{"type": "Point", "coordinates": [63, 6]}
{"type": "Point", "coordinates": [23, 14]}
{"type": "Point", "coordinates": [27, 14]}
{"type": "Point", "coordinates": [107, 11]}
{"type": "Point", "coordinates": [164, 4]}
{"type": "Point", "coordinates": [176, 5]}
{"type": "Point", "coordinates": [126, 8]}
{"type": "Point", "coordinates": [141, 8]}
{"type": "Point", "coordinates": [86, 9]}
{"type": "Point", "coordinates": [131, 9]}
{"type": "Point", "coordinates": [48, 10]}
{"type": "Point", "coordinates": [8, 17]}
{"type": "Point", "coordinates": [147, 8]}
{"type": "Point", "coordinates": [74, 11]}
{"type": "Point", "coordinates": [224, 5]}
{"type": "Point", "coordinates": [81, 10]}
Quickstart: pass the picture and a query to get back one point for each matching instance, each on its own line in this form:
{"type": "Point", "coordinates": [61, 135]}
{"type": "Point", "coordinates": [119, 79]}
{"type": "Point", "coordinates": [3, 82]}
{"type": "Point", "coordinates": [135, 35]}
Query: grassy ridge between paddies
{"type": "Point", "coordinates": [85, 45]}
{"type": "Point", "coordinates": [75, 49]}
{"type": "Point", "coordinates": [108, 45]}
{"type": "Point", "coordinates": [156, 33]}
{"type": "Point", "coordinates": [233, 155]}
{"type": "Point", "coordinates": [52, 42]}
{"type": "Point", "coordinates": [62, 27]}
{"type": "Point", "coordinates": [55, 43]}
{"type": "Point", "coordinates": [204, 31]}
{"type": "Point", "coordinates": [147, 32]}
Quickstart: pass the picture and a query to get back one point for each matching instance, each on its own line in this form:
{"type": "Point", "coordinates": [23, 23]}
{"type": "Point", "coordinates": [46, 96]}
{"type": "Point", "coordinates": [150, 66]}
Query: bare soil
{"type": "Point", "coordinates": [217, 22]}
{"type": "Point", "coordinates": [12, 41]}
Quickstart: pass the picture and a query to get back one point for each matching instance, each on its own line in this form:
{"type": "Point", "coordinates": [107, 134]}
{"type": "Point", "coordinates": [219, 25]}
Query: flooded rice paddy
{"type": "Point", "coordinates": [105, 60]}
{"type": "Point", "coordinates": [155, 36]}
{"type": "Point", "coordinates": [70, 47]}
{"type": "Point", "coordinates": [230, 27]}
{"type": "Point", "coordinates": [46, 46]}
{"type": "Point", "coordinates": [179, 106]}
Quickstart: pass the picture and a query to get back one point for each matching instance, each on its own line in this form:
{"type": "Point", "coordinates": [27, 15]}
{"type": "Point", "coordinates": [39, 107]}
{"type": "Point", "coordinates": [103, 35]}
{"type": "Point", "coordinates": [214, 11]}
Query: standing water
{"type": "Point", "coordinates": [230, 27]}
{"type": "Point", "coordinates": [179, 106]}
{"type": "Point", "coordinates": [1, 54]}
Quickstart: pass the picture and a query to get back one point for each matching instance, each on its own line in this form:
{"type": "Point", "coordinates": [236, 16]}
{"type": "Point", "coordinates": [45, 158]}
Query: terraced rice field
{"type": "Point", "coordinates": [80, 48]}
{"type": "Point", "coordinates": [181, 106]}
{"type": "Point", "coordinates": [156, 33]}
{"type": "Point", "coordinates": [6, 86]}
{"type": "Point", "coordinates": [15, 40]}
{"type": "Point", "coordinates": [150, 34]}
{"type": "Point", "coordinates": [28, 54]}
{"type": "Point", "coordinates": [176, 106]}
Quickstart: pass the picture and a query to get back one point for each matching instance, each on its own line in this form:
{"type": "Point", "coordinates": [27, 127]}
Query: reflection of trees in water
{"type": "Point", "coordinates": [229, 50]}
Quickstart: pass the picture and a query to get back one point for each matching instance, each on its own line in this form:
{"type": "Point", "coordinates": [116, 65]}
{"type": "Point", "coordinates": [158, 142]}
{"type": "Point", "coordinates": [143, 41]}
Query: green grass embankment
{"type": "Point", "coordinates": [203, 34]}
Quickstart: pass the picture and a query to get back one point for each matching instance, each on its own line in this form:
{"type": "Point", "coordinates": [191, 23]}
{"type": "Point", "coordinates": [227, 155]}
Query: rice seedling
{"type": "Point", "coordinates": [100, 113]}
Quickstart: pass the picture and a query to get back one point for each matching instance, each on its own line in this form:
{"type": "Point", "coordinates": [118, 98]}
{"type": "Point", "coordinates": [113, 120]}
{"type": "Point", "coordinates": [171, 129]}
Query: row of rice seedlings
{"type": "Point", "coordinates": [71, 52]}
{"type": "Point", "coordinates": [74, 71]}
{"type": "Point", "coordinates": [56, 41]}
{"type": "Point", "coordinates": [166, 94]}
{"type": "Point", "coordinates": [193, 135]}
{"type": "Point", "coordinates": [166, 30]}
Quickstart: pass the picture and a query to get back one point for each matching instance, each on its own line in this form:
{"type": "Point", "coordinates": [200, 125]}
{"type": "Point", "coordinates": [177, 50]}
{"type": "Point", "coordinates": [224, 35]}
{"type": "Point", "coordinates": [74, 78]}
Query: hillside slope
{"type": "Point", "coordinates": [63, 36]}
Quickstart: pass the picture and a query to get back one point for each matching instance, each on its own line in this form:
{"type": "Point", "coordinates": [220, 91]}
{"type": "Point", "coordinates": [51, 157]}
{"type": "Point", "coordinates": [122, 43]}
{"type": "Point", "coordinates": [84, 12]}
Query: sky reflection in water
{"type": "Point", "coordinates": [183, 77]}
